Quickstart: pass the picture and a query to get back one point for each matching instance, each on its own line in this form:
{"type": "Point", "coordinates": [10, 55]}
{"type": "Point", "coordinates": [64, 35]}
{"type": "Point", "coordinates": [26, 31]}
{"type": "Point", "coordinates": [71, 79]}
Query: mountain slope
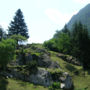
{"type": "Point", "coordinates": [83, 15]}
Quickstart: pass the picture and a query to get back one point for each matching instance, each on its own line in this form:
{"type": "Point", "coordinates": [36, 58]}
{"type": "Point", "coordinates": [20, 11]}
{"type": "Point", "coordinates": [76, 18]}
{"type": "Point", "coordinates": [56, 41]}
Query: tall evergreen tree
{"type": "Point", "coordinates": [81, 44]}
{"type": "Point", "coordinates": [2, 33]}
{"type": "Point", "coordinates": [66, 30]}
{"type": "Point", "coordinates": [18, 25]}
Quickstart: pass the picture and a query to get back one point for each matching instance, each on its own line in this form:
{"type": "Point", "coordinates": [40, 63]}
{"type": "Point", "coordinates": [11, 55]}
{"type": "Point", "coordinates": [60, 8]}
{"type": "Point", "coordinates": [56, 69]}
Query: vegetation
{"type": "Point", "coordinates": [55, 86]}
{"type": "Point", "coordinates": [18, 26]}
{"type": "Point", "coordinates": [19, 38]}
{"type": "Point", "coordinates": [13, 84]}
{"type": "Point", "coordinates": [2, 34]}
{"type": "Point", "coordinates": [80, 78]}
{"type": "Point", "coordinates": [75, 43]}
{"type": "Point", "coordinates": [7, 52]}
{"type": "Point", "coordinates": [82, 16]}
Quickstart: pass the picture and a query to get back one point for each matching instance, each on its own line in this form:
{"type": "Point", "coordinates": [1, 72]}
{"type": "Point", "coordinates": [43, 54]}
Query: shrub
{"type": "Point", "coordinates": [7, 52]}
{"type": "Point", "coordinates": [55, 85]}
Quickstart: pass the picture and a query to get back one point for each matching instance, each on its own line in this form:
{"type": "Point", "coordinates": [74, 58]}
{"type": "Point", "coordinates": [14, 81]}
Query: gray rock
{"type": "Point", "coordinates": [66, 81]}
{"type": "Point", "coordinates": [69, 59]}
{"type": "Point", "coordinates": [24, 58]}
{"type": "Point", "coordinates": [28, 58]}
{"type": "Point", "coordinates": [42, 77]}
{"type": "Point", "coordinates": [45, 61]}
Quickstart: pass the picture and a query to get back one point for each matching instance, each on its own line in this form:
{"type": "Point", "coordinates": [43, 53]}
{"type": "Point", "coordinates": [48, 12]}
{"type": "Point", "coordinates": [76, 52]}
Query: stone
{"type": "Point", "coordinates": [66, 81]}
{"type": "Point", "coordinates": [28, 58]}
{"type": "Point", "coordinates": [45, 61]}
{"type": "Point", "coordinates": [24, 58]}
{"type": "Point", "coordinates": [42, 77]}
{"type": "Point", "coordinates": [54, 65]}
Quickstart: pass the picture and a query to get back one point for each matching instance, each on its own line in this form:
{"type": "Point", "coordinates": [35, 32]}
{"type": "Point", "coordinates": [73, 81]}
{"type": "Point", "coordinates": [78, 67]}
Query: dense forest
{"type": "Point", "coordinates": [75, 42]}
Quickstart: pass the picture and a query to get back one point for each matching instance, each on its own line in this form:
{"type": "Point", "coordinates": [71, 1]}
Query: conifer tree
{"type": "Point", "coordinates": [18, 25]}
{"type": "Point", "coordinates": [66, 30]}
{"type": "Point", "coordinates": [81, 44]}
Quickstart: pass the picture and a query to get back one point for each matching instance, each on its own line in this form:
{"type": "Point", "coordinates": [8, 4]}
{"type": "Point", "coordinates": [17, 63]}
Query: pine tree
{"type": "Point", "coordinates": [80, 44]}
{"type": "Point", "coordinates": [2, 33]}
{"type": "Point", "coordinates": [66, 30]}
{"type": "Point", "coordinates": [18, 25]}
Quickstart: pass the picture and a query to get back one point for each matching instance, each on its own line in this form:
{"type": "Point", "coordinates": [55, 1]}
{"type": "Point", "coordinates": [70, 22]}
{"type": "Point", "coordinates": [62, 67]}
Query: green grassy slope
{"type": "Point", "coordinates": [12, 84]}
{"type": "Point", "coordinates": [81, 81]}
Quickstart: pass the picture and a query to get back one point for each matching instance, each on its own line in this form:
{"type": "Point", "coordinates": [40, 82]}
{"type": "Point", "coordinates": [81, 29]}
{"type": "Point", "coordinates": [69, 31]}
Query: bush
{"type": "Point", "coordinates": [51, 45]}
{"type": "Point", "coordinates": [7, 52]}
{"type": "Point", "coordinates": [55, 85]}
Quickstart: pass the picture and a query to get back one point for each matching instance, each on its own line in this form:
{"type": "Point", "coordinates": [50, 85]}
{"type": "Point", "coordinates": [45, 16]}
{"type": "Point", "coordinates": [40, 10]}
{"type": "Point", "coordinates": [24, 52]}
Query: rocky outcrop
{"type": "Point", "coordinates": [45, 61]}
{"type": "Point", "coordinates": [69, 59]}
{"type": "Point", "coordinates": [66, 81]}
{"type": "Point", "coordinates": [42, 60]}
{"type": "Point", "coordinates": [42, 77]}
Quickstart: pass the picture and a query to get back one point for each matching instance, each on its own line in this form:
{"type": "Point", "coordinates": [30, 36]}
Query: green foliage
{"type": "Point", "coordinates": [75, 43]}
{"type": "Point", "coordinates": [83, 16]}
{"type": "Point", "coordinates": [7, 51]}
{"type": "Point", "coordinates": [18, 26]}
{"type": "Point", "coordinates": [2, 33]}
{"type": "Point", "coordinates": [80, 44]}
{"type": "Point", "coordinates": [63, 43]}
{"type": "Point", "coordinates": [18, 38]}
{"type": "Point", "coordinates": [51, 45]}
{"type": "Point", "coordinates": [55, 85]}
{"type": "Point", "coordinates": [60, 42]}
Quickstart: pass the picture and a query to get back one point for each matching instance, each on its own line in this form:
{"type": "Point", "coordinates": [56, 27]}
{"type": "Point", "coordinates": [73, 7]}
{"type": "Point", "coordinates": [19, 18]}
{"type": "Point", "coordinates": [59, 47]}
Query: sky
{"type": "Point", "coordinates": [43, 17]}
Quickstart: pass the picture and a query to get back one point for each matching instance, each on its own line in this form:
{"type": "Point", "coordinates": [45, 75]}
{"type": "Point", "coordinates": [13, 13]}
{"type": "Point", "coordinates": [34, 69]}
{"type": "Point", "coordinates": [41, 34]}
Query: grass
{"type": "Point", "coordinates": [65, 66]}
{"type": "Point", "coordinates": [12, 84]}
{"type": "Point", "coordinates": [81, 82]}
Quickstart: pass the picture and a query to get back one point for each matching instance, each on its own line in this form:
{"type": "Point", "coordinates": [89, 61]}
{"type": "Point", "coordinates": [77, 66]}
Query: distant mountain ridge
{"type": "Point", "coordinates": [83, 16]}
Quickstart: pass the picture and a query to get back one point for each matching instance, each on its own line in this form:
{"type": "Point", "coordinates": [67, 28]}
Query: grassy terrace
{"type": "Point", "coordinates": [81, 82]}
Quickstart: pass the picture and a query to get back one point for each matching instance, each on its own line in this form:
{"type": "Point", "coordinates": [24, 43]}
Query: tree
{"type": "Point", "coordinates": [7, 52]}
{"type": "Point", "coordinates": [81, 44]}
{"type": "Point", "coordinates": [51, 44]}
{"type": "Point", "coordinates": [18, 38]}
{"type": "Point", "coordinates": [18, 25]}
{"type": "Point", "coordinates": [66, 30]}
{"type": "Point", "coordinates": [63, 43]}
{"type": "Point", "coordinates": [2, 33]}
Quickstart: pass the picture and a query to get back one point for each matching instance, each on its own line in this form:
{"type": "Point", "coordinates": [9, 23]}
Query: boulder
{"type": "Point", "coordinates": [45, 61]}
{"type": "Point", "coordinates": [24, 58]}
{"type": "Point", "coordinates": [66, 81]}
{"type": "Point", "coordinates": [42, 77]}
{"type": "Point", "coordinates": [28, 58]}
{"type": "Point", "coordinates": [69, 59]}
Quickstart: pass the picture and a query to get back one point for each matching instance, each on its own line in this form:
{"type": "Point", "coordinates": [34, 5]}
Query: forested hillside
{"type": "Point", "coordinates": [83, 16]}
